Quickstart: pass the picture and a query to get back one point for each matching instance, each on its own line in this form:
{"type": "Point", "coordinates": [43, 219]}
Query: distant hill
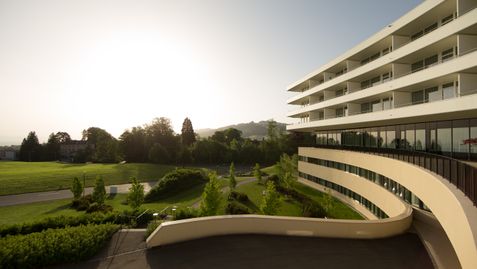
{"type": "Point", "coordinates": [253, 130]}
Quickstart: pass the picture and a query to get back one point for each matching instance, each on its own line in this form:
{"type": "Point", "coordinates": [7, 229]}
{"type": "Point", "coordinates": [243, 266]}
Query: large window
{"type": "Point", "coordinates": [444, 137]}
{"type": "Point", "coordinates": [420, 137]}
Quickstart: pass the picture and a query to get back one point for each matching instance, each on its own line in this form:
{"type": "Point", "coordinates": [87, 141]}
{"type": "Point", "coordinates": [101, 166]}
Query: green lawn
{"type": "Point", "coordinates": [36, 211]}
{"type": "Point", "coordinates": [339, 209]}
{"type": "Point", "coordinates": [22, 177]}
{"type": "Point", "coordinates": [254, 192]}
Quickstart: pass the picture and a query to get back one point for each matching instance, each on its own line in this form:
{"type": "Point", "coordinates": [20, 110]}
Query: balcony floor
{"type": "Point", "coordinates": [266, 251]}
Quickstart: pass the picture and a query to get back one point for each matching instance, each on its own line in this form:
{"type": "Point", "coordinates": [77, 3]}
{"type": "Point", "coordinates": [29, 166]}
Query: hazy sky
{"type": "Point", "coordinates": [69, 65]}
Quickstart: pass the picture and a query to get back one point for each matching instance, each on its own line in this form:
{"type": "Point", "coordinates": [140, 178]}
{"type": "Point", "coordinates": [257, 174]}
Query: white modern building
{"type": "Point", "coordinates": [395, 119]}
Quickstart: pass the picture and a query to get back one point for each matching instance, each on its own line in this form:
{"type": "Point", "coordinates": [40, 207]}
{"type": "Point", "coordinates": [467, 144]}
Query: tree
{"type": "Point", "coordinates": [136, 194]}
{"type": "Point", "coordinates": [106, 147]}
{"type": "Point", "coordinates": [158, 154]}
{"type": "Point", "coordinates": [287, 169]}
{"type": "Point", "coordinates": [272, 130]}
{"type": "Point", "coordinates": [187, 133]}
{"type": "Point", "coordinates": [211, 197]}
{"type": "Point", "coordinates": [328, 201]}
{"type": "Point", "coordinates": [257, 173]}
{"type": "Point", "coordinates": [133, 145]}
{"type": "Point", "coordinates": [160, 131]}
{"type": "Point", "coordinates": [77, 188]}
{"type": "Point", "coordinates": [99, 191]}
{"type": "Point", "coordinates": [31, 150]}
{"type": "Point", "coordinates": [233, 182]}
{"type": "Point", "coordinates": [271, 200]}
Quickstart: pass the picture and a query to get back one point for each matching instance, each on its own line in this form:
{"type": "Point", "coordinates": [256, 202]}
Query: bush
{"type": "Point", "coordinates": [95, 207]}
{"type": "Point", "coordinates": [82, 203]}
{"type": "Point", "coordinates": [313, 210]}
{"type": "Point", "coordinates": [175, 182]}
{"type": "Point", "coordinates": [99, 192]}
{"type": "Point", "coordinates": [77, 188]}
{"type": "Point", "coordinates": [151, 227]}
{"type": "Point", "coordinates": [53, 246]}
{"type": "Point", "coordinates": [238, 196]}
{"type": "Point", "coordinates": [235, 208]}
{"type": "Point", "coordinates": [125, 218]}
{"type": "Point", "coordinates": [275, 179]}
{"type": "Point", "coordinates": [187, 213]}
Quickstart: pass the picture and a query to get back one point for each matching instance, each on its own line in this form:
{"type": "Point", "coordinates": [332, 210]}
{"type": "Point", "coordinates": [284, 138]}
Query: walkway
{"type": "Point", "coordinates": [33, 197]}
{"type": "Point", "coordinates": [262, 251]}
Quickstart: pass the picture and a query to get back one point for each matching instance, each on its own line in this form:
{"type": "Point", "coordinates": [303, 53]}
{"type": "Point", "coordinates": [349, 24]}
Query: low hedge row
{"type": "Point", "coordinates": [126, 217]}
{"type": "Point", "coordinates": [53, 246]}
{"type": "Point", "coordinates": [175, 182]}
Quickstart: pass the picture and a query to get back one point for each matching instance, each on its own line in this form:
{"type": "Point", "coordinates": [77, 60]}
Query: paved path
{"type": "Point", "coordinates": [226, 189]}
{"type": "Point", "coordinates": [33, 197]}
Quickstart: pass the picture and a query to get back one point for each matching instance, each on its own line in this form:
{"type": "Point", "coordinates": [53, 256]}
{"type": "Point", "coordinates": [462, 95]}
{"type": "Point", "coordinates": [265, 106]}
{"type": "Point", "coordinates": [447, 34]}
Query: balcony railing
{"type": "Point", "coordinates": [458, 173]}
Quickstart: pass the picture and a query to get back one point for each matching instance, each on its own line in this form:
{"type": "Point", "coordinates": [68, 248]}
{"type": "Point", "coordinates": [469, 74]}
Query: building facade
{"type": "Point", "coordinates": [398, 114]}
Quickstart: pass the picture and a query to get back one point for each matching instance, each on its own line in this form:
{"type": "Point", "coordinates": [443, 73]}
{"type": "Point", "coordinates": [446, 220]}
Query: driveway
{"type": "Point", "coordinates": [33, 197]}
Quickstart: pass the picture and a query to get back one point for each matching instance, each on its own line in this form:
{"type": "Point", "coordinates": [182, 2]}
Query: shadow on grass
{"type": "Point", "coordinates": [59, 208]}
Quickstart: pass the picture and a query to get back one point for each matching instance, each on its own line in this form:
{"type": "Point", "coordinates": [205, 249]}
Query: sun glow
{"type": "Point", "coordinates": [128, 78]}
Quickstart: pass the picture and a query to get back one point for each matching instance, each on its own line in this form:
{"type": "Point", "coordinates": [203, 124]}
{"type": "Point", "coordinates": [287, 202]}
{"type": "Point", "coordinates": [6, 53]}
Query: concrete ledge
{"type": "Point", "coordinates": [185, 230]}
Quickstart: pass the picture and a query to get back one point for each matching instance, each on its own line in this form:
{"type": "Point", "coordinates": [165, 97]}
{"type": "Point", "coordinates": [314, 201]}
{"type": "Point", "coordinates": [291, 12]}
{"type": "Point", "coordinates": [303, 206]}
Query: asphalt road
{"type": "Point", "coordinates": [33, 197]}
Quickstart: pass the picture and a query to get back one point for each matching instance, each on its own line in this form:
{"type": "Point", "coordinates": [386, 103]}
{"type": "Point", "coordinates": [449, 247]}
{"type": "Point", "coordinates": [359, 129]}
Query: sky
{"type": "Point", "coordinates": [68, 65]}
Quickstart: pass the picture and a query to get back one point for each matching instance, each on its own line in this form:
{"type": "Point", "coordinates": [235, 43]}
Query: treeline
{"type": "Point", "coordinates": [158, 143]}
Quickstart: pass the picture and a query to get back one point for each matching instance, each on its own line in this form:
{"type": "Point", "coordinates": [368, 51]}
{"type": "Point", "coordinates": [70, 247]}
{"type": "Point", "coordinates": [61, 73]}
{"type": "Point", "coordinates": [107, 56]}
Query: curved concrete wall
{"type": "Point", "coordinates": [454, 211]}
{"type": "Point", "coordinates": [184, 230]}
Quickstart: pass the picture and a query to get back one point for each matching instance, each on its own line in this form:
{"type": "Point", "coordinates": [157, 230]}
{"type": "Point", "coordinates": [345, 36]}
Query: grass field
{"type": "Point", "coordinates": [22, 177]}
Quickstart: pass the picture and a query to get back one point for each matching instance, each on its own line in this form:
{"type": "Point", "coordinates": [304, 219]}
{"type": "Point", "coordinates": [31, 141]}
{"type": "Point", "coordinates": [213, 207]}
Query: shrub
{"type": "Point", "coordinates": [136, 194]}
{"type": "Point", "coordinates": [125, 217]}
{"type": "Point", "coordinates": [82, 203]}
{"type": "Point", "coordinates": [187, 213]}
{"type": "Point", "coordinates": [53, 246]}
{"type": "Point", "coordinates": [238, 196]}
{"type": "Point", "coordinates": [99, 192]}
{"type": "Point", "coordinates": [77, 188]}
{"type": "Point", "coordinates": [275, 179]}
{"type": "Point", "coordinates": [313, 210]}
{"type": "Point", "coordinates": [95, 207]}
{"type": "Point", "coordinates": [151, 227]}
{"type": "Point", "coordinates": [211, 197]}
{"type": "Point", "coordinates": [235, 208]}
{"type": "Point", "coordinates": [271, 200]}
{"type": "Point", "coordinates": [175, 182]}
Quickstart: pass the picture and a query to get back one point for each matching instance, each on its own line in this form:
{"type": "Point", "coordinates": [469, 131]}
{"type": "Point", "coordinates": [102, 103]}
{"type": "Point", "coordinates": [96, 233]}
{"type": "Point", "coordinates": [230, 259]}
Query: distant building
{"type": "Point", "coordinates": [70, 149]}
{"type": "Point", "coordinates": [8, 153]}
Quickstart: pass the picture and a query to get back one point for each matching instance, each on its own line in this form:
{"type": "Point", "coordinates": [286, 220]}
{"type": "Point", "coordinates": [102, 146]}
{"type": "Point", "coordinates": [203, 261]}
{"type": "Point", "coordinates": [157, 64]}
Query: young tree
{"type": "Point", "coordinates": [233, 182]}
{"type": "Point", "coordinates": [99, 191]}
{"type": "Point", "coordinates": [77, 188]}
{"type": "Point", "coordinates": [287, 169]}
{"type": "Point", "coordinates": [136, 194]}
{"type": "Point", "coordinates": [187, 133]}
{"type": "Point", "coordinates": [257, 173]}
{"type": "Point", "coordinates": [271, 200]}
{"type": "Point", "coordinates": [328, 201]}
{"type": "Point", "coordinates": [211, 197]}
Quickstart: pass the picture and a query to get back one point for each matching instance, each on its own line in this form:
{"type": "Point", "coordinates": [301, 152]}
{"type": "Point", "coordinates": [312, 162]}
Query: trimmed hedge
{"type": "Point", "coordinates": [236, 208]}
{"type": "Point", "coordinates": [126, 217]}
{"type": "Point", "coordinates": [238, 196]}
{"type": "Point", "coordinates": [53, 246]}
{"type": "Point", "coordinates": [175, 182]}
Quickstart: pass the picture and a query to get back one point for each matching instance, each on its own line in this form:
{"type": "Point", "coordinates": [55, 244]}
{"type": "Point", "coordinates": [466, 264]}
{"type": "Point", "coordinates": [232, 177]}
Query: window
{"type": "Point", "coordinates": [417, 35]}
{"type": "Point", "coordinates": [365, 108]}
{"type": "Point", "coordinates": [460, 136]}
{"type": "Point", "coordinates": [340, 112]}
{"type": "Point", "coordinates": [430, 60]}
{"type": "Point", "coordinates": [447, 54]}
{"type": "Point", "coordinates": [430, 28]}
{"type": "Point", "coordinates": [417, 97]}
{"type": "Point", "coordinates": [448, 90]}
{"type": "Point", "coordinates": [447, 19]}
{"type": "Point", "coordinates": [444, 138]}
{"type": "Point", "coordinates": [420, 137]}
{"type": "Point", "coordinates": [432, 94]}
{"type": "Point", "coordinates": [419, 65]}
{"type": "Point", "coordinates": [339, 92]}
